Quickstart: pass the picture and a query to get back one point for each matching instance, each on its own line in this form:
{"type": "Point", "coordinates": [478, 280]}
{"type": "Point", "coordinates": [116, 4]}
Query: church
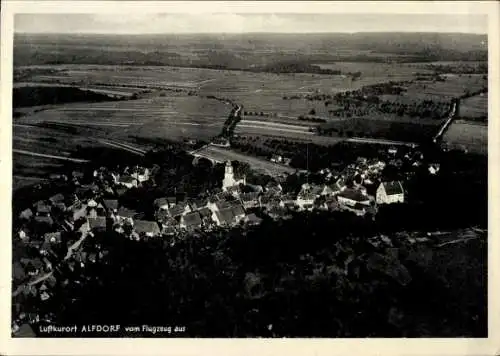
{"type": "Point", "coordinates": [229, 180]}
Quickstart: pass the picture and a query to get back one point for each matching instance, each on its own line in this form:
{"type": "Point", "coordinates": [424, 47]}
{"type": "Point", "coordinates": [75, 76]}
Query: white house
{"type": "Point", "coordinates": [127, 181]}
{"type": "Point", "coordinates": [390, 192]}
{"type": "Point", "coordinates": [305, 200]}
{"type": "Point", "coordinates": [141, 174]}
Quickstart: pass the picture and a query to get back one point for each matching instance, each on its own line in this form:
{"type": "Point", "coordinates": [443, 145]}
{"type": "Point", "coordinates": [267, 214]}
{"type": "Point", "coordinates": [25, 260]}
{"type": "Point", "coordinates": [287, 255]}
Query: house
{"type": "Point", "coordinates": [126, 215]}
{"type": "Point", "coordinates": [98, 223]}
{"type": "Point", "coordinates": [46, 220]}
{"type": "Point", "coordinates": [332, 204]}
{"type": "Point", "coordinates": [434, 168]}
{"type": "Point", "coordinates": [238, 212]}
{"type": "Point", "coordinates": [191, 221]}
{"type": "Point", "coordinates": [273, 187]}
{"type": "Point", "coordinates": [206, 215]}
{"type": "Point", "coordinates": [351, 197]}
{"type": "Point", "coordinates": [252, 219]}
{"type": "Point", "coordinates": [77, 175]}
{"type": "Point", "coordinates": [168, 230]}
{"type": "Point", "coordinates": [197, 204]}
{"type": "Point", "coordinates": [119, 191]}
{"type": "Point", "coordinates": [58, 198]}
{"type": "Point", "coordinates": [390, 192]}
{"type": "Point", "coordinates": [53, 237]}
{"type": "Point", "coordinates": [179, 210]}
{"type": "Point", "coordinates": [234, 191]}
{"type": "Point", "coordinates": [250, 200]}
{"type": "Point", "coordinates": [305, 200]}
{"type": "Point", "coordinates": [127, 181]}
{"type": "Point", "coordinates": [276, 158]}
{"type": "Point", "coordinates": [26, 214]}
{"type": "Point", "coordinates": [161, 204]}
{"type": "Point", "coordinates": [255, 188]}
{"type": "Point", "coordinates": [147, 228]}
{"type": "Point", "coordinates": [223, 217]}
{"type": "Point", "coordinates": [42, 209]}
{"type": "Point", "coordinates": [218, 205]}
{"type": "Point", "coordinates": [141, 174]}
{"type": "Point", "coordinates": [23, 234]}
{"type": "Point", "coordinates": [34, 266]}
{"type": "Point", "coordinates": [111, 205]}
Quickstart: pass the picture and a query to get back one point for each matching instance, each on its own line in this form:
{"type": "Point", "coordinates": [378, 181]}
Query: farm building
{"type": "Point", "coordinates": [191, 221]}
{"type": "Point", "coordinates": [390, 192]}
{"type": "Point", "coordinates": [145, 227]}
{"type": "Point", "coordinates": [352, 198]}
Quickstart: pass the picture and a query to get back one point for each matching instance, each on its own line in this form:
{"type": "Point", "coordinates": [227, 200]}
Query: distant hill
{"type": "Point", "coordinates": [244, 51]}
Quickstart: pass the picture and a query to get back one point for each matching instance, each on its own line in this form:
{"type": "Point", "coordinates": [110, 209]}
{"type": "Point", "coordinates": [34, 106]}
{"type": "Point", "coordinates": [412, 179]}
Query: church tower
{"type": "Point", "coordinates": [228, 177]}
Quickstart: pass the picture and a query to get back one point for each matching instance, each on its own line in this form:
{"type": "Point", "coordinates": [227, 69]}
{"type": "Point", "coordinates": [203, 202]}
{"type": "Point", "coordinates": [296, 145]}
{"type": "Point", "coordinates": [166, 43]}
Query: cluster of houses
{"type": "Point", "coordinates": [56, 227]}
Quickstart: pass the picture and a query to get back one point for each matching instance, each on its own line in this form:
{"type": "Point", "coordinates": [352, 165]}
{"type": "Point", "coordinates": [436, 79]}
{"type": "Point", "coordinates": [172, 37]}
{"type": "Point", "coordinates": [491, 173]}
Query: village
{"type": "Point", "coordinates": [51, 232]}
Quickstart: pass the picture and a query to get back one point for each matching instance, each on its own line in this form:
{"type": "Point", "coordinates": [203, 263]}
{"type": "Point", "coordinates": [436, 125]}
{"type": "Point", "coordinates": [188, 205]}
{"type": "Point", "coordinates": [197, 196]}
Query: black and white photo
{"type": "Point", "coordinates": [250, 174]}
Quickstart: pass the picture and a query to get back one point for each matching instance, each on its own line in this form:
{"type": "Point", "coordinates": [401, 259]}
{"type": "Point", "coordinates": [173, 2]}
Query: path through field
{"type": "Point", "coordinates": [35, 154]}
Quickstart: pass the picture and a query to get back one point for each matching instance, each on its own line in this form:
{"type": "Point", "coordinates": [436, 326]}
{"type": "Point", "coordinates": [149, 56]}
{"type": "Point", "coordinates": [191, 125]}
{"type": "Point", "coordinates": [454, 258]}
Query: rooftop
{"type": "Point", "coordinates": [146, 226]}
{"type": "Point", "coordinates": [192, 219]}
{"type": "Point", "coordinates": [353, 194]}
{"type": "Point", "coordinates": [393, 188]}
{"type": "Point", "coordinates": [98, 222]}
{"type": "Point", "coordinates": [126, 213]}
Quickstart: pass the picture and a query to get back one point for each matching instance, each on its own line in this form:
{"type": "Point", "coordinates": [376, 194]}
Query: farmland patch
{"type": "Point", "coordinates": [474, 107]}
{"type": "Point", "coordinates": [468, 136]}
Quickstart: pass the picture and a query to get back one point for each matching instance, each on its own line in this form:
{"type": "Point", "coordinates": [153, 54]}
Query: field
{"type": "Point", "coordinates": [453, 86]}
{"type": "Point", "coordinates": [260, 92]}
{"type": "Point", "coordinates": [474, 107]}
{"type": "Point", "coordinates": [397, 129]}
{"type": "Point", "coordinates": [468, 136]}
{"type": "Point", "coordinates": [177, 103]}
{"type": "Point", "coordinates": [165, 117]}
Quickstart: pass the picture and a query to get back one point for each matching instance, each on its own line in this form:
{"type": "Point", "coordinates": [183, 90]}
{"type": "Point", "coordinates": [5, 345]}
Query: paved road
{"type": "Point", "coordinates": [447, 123]}
{"type": "Point", "coordinates": [35, 154]}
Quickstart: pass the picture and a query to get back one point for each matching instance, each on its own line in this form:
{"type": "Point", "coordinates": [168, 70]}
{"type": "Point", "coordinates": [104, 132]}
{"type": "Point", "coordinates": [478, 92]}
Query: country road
{"type": "Point", "coordinates": [378, 141]}
{"type": "Point", "coordinates": [123, 146]}
{"type": "Point", "coordinates": [29, 153]}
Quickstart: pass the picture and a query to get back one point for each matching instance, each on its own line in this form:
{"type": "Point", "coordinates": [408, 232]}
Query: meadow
{"type": "Point", "coordinates": [464, 135]}
{"type": "Point", "coordinates": [474, 107]}
{"type": "Point", "coordinates": [260, 92]}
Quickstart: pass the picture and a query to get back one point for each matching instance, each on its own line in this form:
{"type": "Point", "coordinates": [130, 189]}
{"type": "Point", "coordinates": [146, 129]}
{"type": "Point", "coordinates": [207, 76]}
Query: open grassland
{"type": "Point", "coordinates": [469, 136]}
{"type": "Point", "coordinates": [474, 107]}
{"type": "Point", "coordinates": [390, 128]}
{"type": "Point", "coordinates": [167, 117]}
{"type": "Point", "coordinates": [259, 92]}
{"type": "Point", "coordinates": [453, 86]}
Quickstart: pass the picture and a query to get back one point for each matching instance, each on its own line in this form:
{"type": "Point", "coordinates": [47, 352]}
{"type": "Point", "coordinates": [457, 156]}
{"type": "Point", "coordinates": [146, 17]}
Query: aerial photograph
{"type": "Point", "coordinates": [249, 175]}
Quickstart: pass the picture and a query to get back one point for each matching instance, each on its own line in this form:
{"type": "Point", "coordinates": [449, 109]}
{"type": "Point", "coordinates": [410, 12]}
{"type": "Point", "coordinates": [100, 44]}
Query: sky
{"type": "Point", "coordinates": [245, 22]}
